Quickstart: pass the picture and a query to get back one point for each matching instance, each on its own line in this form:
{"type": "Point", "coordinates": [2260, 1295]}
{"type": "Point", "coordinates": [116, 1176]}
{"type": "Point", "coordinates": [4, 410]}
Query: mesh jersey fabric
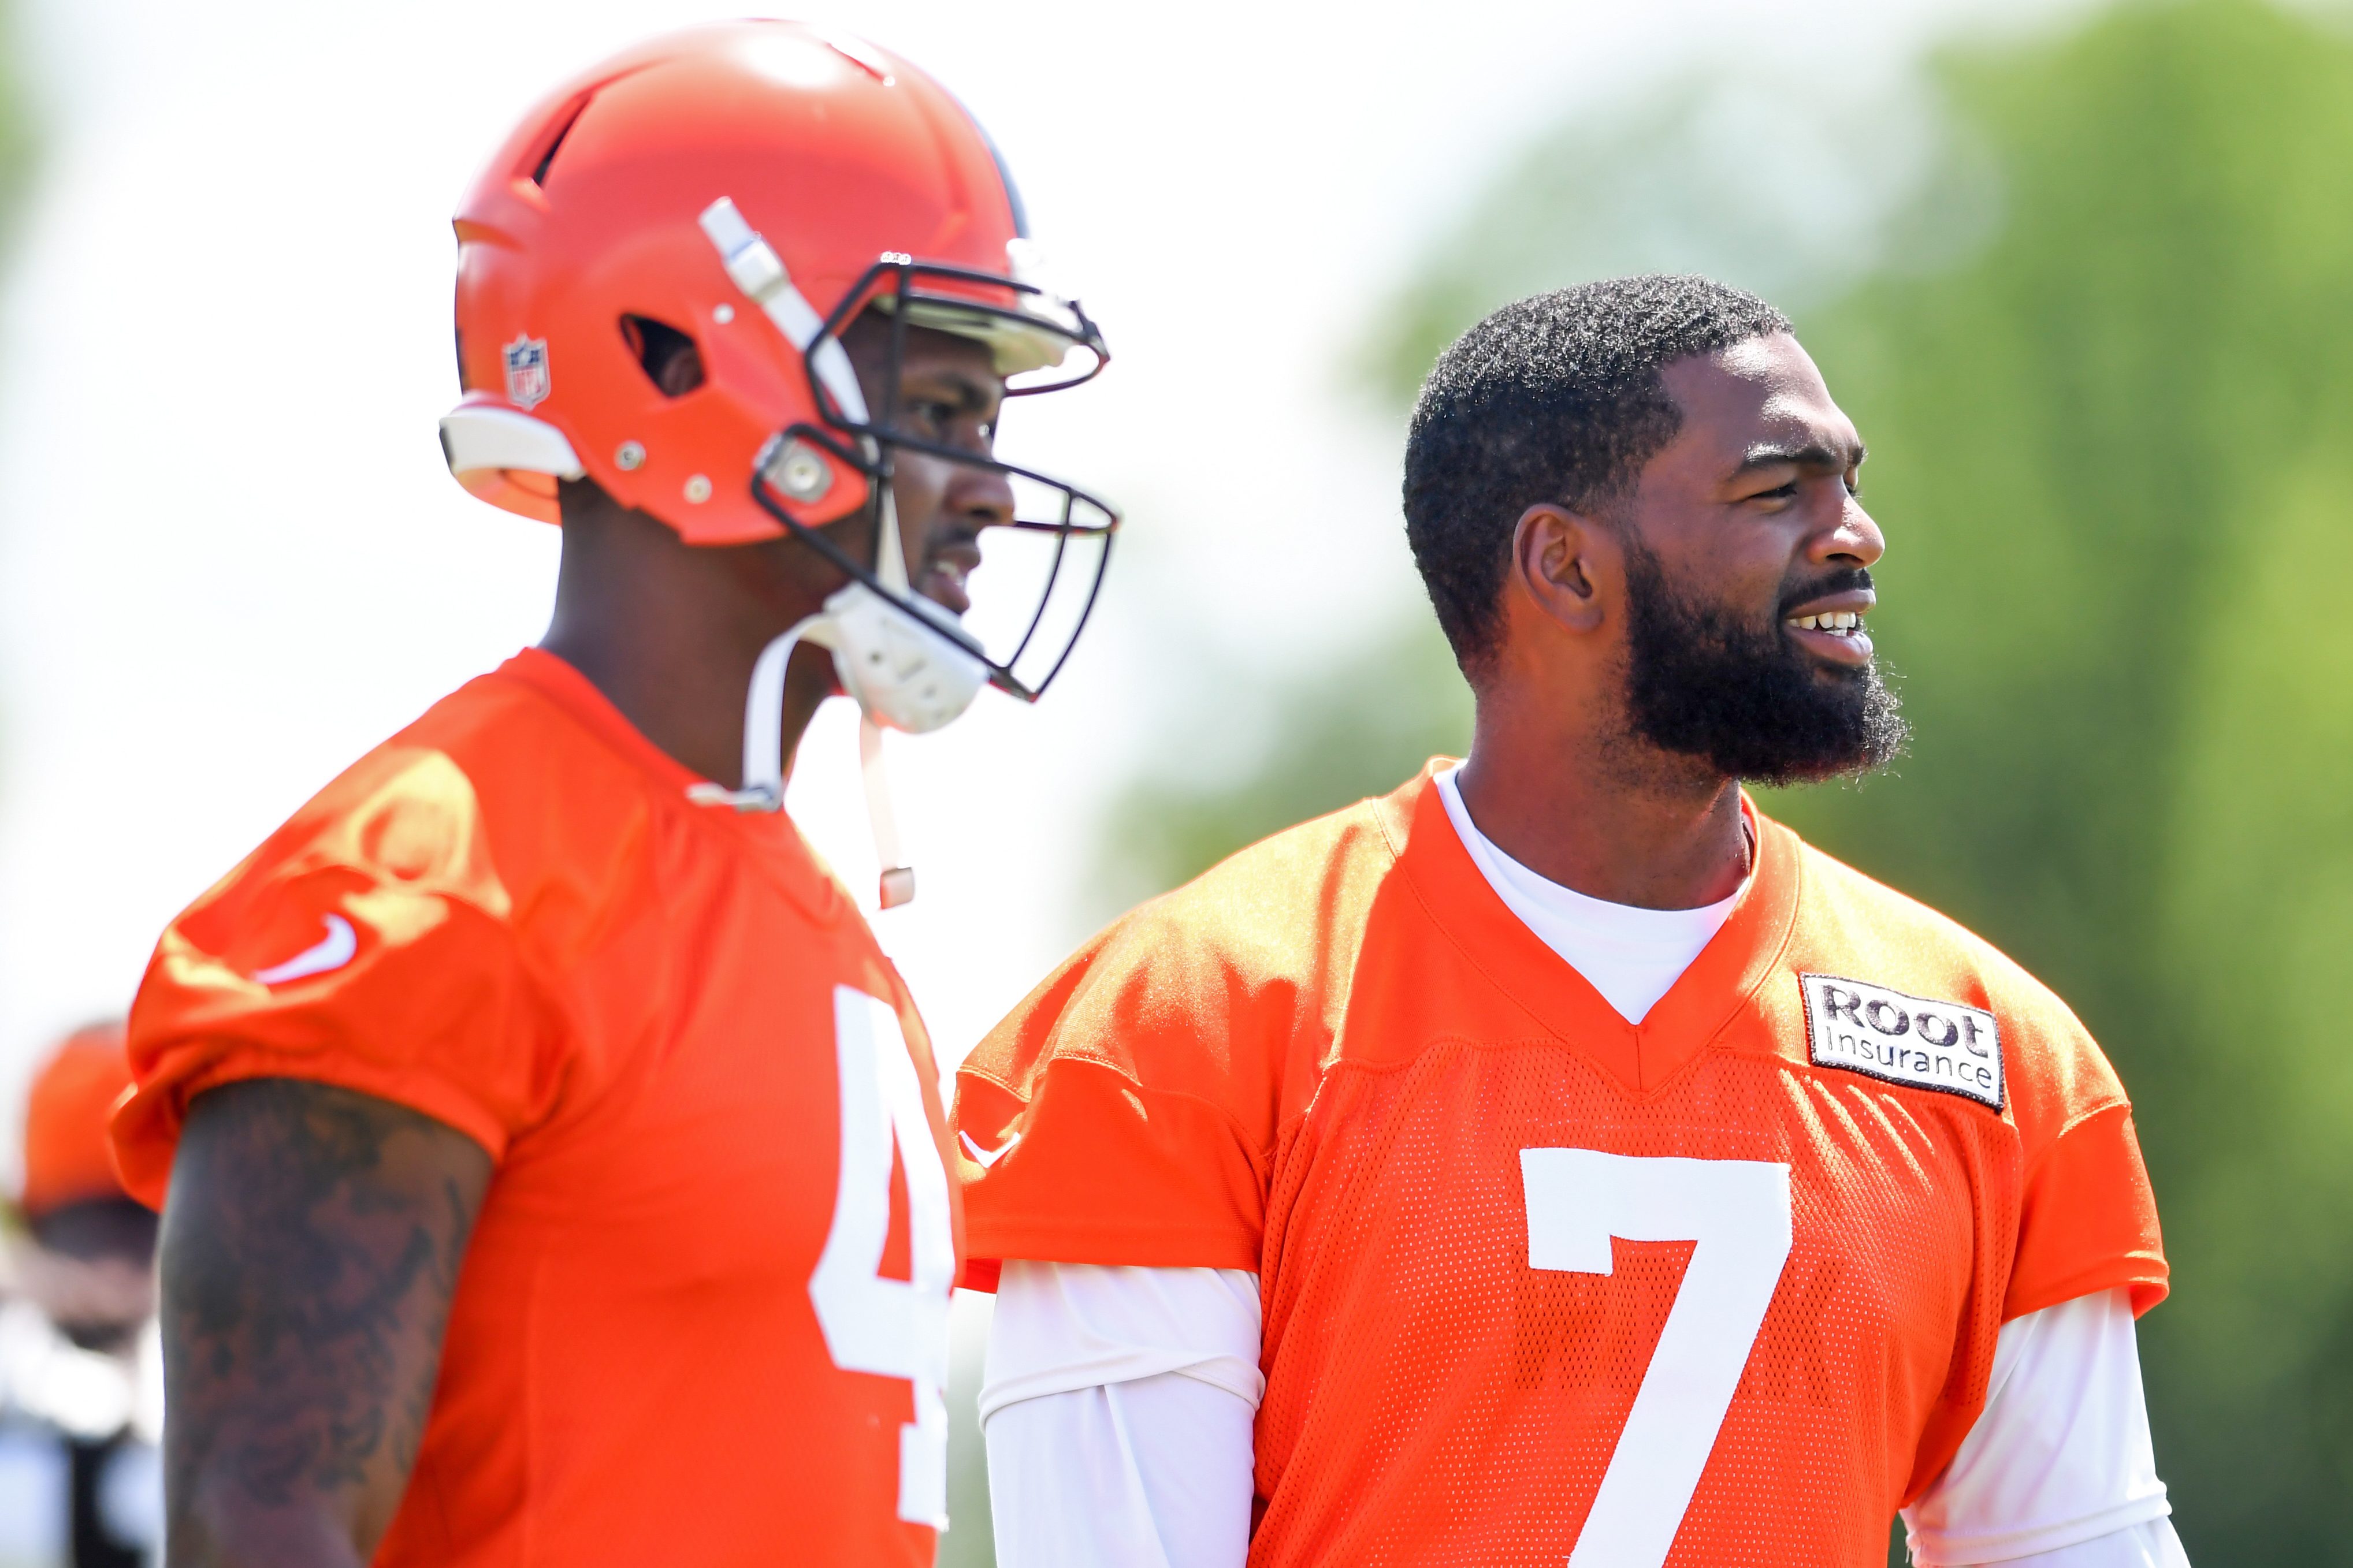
{"type": "Point", "coordinates": [1323, 1060]}
{"type": "Point", "coordinates": [630, 1001]}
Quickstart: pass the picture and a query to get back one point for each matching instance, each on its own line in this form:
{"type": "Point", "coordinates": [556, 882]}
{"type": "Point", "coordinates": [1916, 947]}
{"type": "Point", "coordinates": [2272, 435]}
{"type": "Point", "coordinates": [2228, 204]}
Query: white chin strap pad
{"type": "Point", "coordinates": [904, 673]}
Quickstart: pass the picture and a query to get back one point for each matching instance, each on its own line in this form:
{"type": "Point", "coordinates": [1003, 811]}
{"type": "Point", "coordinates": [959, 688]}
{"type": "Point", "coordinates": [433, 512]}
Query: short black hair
{"type": "Point", "coordinates": [1556, 397]}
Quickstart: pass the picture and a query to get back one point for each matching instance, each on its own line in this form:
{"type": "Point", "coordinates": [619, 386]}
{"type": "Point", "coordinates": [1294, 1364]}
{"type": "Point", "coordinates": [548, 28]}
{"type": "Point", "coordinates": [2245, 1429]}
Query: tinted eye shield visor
{"type": "Point", "coordinates": [1041, 569]}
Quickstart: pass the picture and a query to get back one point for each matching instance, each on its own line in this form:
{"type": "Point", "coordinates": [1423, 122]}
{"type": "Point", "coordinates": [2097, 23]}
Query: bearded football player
{"type": "Point", "coordinates": [556, 1164]}
{"type": "Point", "coordinates": [1558, 1160]}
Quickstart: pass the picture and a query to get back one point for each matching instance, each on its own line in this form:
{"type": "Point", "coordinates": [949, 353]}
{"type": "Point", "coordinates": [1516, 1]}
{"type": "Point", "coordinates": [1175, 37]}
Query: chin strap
{"type": "Point", "coordinates": [898, 885]}
{"type": "Point", "coordinates": [763, 766]}
{"type": "Point", "coordinates": [763, 731]}
{"type": "Point", "coordinates": [898, 878]}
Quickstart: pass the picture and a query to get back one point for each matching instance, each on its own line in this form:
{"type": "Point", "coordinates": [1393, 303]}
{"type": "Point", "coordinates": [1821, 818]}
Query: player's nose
{"type": "Point", "coordinates": [980, 496]}
{"type": "Point", "coordinates": [1854, 540]}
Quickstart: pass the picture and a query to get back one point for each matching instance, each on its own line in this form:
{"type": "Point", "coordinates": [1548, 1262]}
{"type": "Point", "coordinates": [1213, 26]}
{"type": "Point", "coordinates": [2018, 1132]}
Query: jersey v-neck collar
{"type": "Point", "coordinates": [774, 840]}
{"type": "Point", "coordinates": [1628, 954]}
{"type": "Point", "coordinates": [1680, 1024]}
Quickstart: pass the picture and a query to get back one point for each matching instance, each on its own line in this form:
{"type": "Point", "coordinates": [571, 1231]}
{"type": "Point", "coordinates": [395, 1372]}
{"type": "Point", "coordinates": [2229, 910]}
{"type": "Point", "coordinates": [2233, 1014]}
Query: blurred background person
{"type": "Point", "coordinates": [79, 1386]}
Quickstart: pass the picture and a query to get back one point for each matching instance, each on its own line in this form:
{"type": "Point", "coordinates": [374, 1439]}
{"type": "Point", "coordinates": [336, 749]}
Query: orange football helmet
{"type": "Point", "coordinates": [66, 1156]}
{"type": "Point", "coordinates": [753, 187]}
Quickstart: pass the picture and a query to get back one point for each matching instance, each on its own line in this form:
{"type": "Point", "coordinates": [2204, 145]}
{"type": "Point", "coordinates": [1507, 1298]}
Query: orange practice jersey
{"type": "Point", "coordinates": [703, 1314]}
{"type": "Point", "coordinates": [1541, 1285]}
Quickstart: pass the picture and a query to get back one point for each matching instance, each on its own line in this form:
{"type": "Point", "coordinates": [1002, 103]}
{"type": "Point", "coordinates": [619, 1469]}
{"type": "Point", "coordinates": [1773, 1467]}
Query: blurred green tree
{"type": "Point", "coordinates": [19, 144]}
{"type": "Point", "coordinates": [2114, 449]}
{"type": "Point", "coordinates": [2098, 329]}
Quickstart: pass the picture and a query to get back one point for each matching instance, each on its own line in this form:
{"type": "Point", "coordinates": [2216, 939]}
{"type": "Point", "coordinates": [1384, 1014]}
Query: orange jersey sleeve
{"type": "Point", "coordinates": [1128, 1111]}
{"type": "Point", "coordinates": [369, 943]}
{"type": "Point", "coordinates": [2087, 1221]}
{"type": "Point", "coordinates": [2087, 1217]}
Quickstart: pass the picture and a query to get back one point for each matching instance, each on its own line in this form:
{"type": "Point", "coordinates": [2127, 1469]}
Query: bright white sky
{"type": "Point", "coordinates": [231, 558]}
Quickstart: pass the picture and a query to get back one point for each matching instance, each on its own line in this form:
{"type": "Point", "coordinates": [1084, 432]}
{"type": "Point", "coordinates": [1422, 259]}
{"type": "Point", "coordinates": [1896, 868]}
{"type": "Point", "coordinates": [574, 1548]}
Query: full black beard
{"type": "Point", "coordinates": [1743, 697]}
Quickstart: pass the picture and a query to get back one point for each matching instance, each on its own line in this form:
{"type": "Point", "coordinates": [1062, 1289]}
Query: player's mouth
{"type": "Point", "coordinates": [1831, 628]}
{"type": "Point", "coordinates": [948, 574]}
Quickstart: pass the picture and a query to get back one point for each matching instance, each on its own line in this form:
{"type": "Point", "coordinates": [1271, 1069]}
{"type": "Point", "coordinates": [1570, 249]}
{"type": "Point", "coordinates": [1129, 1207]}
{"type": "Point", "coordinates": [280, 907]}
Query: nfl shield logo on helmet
{"type": "Point", "coordinates": [527, 371]}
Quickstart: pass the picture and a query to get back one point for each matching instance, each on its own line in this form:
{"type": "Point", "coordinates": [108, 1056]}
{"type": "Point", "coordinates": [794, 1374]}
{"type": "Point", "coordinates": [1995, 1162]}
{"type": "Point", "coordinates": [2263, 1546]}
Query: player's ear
{"type": "Point", "coordinates": [1571, 566]}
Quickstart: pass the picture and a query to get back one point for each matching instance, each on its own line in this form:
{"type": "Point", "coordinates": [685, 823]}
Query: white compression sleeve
{"type": "Point", "coordinates": [2058, 1472]}
{"type": "Point", "coordinates": [1153, 1473]}
{"type": "Point", "coordinates": [1117, 1409]}
{"type": "Point", "coordinates": [2149, 1544]}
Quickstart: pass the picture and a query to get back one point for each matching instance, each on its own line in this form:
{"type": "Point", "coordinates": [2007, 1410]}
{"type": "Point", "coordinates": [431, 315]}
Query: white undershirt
{"type": "Point", "coordinates": [1630, 955]}
{"type": "Point", "coordinates": [1118, 1403]}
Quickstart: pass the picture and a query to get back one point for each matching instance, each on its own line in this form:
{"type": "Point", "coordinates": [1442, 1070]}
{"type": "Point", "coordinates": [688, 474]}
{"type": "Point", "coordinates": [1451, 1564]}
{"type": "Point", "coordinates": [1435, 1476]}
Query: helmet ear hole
{"type": "Point", "coordinates": [667, 356]}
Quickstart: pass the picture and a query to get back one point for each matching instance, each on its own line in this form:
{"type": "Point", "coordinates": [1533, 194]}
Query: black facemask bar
{"type": "Point", "coordinates": [1075, 535]}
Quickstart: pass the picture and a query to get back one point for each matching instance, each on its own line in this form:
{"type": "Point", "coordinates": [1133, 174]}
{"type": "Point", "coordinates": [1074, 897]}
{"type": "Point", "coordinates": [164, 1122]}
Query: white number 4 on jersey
{"type": "Point", "coordinates": [893, 1328]}
{"type": "Point", "coordinates": [1737, 1214]}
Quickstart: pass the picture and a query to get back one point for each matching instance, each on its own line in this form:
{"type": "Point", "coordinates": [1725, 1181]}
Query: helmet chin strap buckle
{"type": "Point", "coordinates": [710, 793]}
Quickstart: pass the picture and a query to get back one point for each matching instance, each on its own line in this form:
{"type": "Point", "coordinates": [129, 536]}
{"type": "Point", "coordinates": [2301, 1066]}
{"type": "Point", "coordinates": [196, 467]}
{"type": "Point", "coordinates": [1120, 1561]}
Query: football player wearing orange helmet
{"type": "Point", "coordinates": [78, 1394]}
{"type": "Point", "coordinates": [1558, 1160]}
{"type": "Point", "coordinates": [554, 1163]}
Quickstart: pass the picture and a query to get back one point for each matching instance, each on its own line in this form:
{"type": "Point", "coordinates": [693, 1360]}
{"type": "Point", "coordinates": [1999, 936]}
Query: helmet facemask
{"type": "Point", "coordinates": [1040, 571]}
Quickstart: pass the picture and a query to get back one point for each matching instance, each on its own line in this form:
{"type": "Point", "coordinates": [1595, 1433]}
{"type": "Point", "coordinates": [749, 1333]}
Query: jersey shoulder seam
{"type": "Point", "coordinates": [1262, 1158]}
{"type": "Point", "coordinates": [2093, 1113]}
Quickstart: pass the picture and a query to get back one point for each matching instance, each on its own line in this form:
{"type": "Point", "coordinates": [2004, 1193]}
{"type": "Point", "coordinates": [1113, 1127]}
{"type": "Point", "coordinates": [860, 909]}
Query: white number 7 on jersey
{"type": "Point", "coordinates": [1737, 1212]}
{"type": "Point", "coordinates": [895, 1328]}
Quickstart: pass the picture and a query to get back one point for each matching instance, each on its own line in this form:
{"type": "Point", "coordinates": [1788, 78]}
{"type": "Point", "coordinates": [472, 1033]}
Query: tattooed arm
{"type": "Point", "coordinates": [309, 1248]}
